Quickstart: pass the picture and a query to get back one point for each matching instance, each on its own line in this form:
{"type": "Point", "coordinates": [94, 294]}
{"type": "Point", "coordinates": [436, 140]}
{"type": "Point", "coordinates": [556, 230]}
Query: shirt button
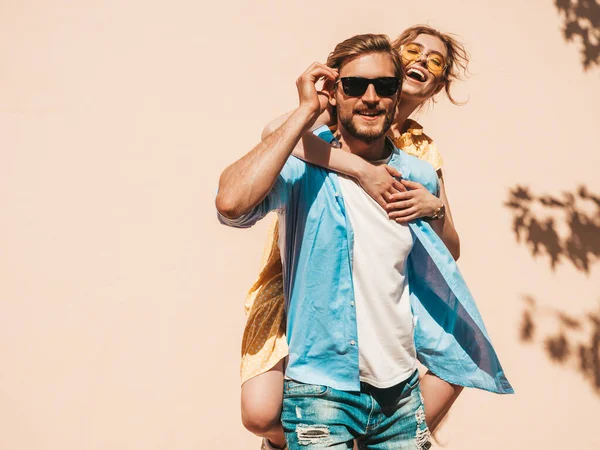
{"type": "Point", "coordinates": [352, 342]}
{"type": "Point", "coordinates": [352, 303]}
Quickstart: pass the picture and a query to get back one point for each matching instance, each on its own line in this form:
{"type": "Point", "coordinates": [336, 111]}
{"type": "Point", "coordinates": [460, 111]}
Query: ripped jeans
{"type": "Point", "coordinates": [316, 417]}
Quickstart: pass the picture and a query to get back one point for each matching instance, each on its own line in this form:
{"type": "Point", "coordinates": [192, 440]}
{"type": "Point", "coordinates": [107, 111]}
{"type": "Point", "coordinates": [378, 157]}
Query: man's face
{"type": "Point", "coordinates": [366, 117]}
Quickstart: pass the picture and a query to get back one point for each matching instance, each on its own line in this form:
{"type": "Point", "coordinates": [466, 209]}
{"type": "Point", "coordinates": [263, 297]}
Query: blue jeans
{"type": "Point", "coordinates": [316, 417]}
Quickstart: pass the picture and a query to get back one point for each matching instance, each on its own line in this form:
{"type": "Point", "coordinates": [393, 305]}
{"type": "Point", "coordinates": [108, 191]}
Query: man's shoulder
{"type": "Point", "coordinates": [293, 168]}
{"type": "Point", "coordinates": [414, 163]}
{"type": "Point", "coordinates": [416, 169]}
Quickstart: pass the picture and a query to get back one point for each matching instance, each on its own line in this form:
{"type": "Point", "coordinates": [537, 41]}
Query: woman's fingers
{"type": "Point", "coordinates": [397, 214]}
{"type": "Point", "coordinates": [405, 195]}
{"type": "Point", "coordinates": [411, 184]}
{"type": "Point", "coordinates": [393, 172]}
{"type": "Point", "coordinates": [395, 206]}
{"type": "Point", "coordinates": [381, 201]}
{"type": "Point", "coordinates": [407, 218]}
{"type": "Point", "coordinates": [398, 186]}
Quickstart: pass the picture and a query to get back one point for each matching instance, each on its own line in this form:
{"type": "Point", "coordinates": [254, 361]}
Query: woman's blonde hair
{"type": "Point", "coordinates": [457, 57]}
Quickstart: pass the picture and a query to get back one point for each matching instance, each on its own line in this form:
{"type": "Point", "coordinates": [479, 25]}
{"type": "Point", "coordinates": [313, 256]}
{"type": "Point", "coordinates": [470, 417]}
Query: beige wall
{"type": "Point", "coordinates": [121, 296]}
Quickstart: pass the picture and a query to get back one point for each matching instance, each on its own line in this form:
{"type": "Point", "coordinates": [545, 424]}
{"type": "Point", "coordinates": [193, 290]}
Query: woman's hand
{"type": "Point", "coordinates": [380, 182]}
{"type": "Point", "coordinates": [413, 203]}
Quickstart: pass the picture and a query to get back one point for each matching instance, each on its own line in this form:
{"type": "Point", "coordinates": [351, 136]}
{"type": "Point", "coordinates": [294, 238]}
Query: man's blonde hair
{"type": "Point", "coordinates": [457, 57]}
{"type": "Point", "coordinates": [364, 44]}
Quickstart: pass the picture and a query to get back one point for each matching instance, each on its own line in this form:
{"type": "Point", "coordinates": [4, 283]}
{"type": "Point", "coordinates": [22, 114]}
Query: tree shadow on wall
{"type": "Point", "coordinates": [576, 342]}
{"type": "Point", "coordinates": [582, 21]}
{"type": "Point", "coordinates": [539, 221]}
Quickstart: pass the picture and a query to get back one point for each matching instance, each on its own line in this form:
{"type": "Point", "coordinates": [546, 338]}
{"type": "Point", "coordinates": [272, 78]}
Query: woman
{"type": "Point", "coordinates": [432, 61]}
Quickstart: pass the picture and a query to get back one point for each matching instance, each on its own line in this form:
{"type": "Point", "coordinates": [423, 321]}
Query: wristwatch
{"type": "Point", "coordinates": [439, 213]}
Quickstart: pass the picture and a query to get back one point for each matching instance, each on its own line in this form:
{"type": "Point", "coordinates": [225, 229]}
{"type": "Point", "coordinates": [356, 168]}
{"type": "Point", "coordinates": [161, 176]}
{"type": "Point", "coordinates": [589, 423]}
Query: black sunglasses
{"type": "Point", "coordinates": [357, 86]}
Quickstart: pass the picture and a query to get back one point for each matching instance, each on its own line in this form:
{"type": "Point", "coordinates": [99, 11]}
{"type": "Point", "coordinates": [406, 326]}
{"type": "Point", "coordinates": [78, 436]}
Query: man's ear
{"type": "Point", "coordinates": [332, 99]}
{"type": "Point", "coordinates": [330, 86]}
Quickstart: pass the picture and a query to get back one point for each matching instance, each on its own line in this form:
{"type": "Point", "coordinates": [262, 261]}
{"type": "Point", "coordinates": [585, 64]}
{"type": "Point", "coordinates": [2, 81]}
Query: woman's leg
{"type": "Point", "coordinates": [262, 398]}
{"type": "Point", "coordinates": [438, 397]}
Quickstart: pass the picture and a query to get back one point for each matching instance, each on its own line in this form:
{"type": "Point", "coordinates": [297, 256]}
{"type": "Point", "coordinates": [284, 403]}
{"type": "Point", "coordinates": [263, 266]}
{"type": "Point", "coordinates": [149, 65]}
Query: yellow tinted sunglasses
{"type": "Point", "coordinates": [436, 63]}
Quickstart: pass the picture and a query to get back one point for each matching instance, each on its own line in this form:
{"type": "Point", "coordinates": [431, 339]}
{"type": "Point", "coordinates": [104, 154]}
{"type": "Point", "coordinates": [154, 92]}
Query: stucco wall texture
{"type": "Point", "coordinates": [120, 294]}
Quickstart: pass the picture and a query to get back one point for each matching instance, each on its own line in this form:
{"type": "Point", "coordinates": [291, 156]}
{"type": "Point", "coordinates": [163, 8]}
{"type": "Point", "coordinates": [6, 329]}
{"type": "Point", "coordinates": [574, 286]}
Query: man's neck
{"type": "Point", "coordinates": [371, 151]}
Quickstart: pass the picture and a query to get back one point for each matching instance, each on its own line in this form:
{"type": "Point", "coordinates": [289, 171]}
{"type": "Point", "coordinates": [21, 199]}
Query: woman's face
{"type": "Point", "coordinates": [423, 78]}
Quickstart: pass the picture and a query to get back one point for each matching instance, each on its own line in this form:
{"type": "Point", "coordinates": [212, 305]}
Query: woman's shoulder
{"type": "Point", "coordinates": [415, 142]}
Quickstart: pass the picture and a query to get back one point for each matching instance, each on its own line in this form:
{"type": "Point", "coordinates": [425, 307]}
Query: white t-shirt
{"type": "Point", "coordinates": [387, 354]}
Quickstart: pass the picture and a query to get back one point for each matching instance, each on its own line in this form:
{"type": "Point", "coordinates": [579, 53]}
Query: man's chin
{"type": "Point", "coordinates": [368, 137]}
{"type": "Point", "coordinates": [369, 134]}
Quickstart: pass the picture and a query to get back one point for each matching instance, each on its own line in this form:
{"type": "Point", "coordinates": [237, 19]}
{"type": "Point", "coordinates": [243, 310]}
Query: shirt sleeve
{"type": "Point", "coordinates": [280, 195]}
{"type": "Point", "coordinates": [434, 182]}
{"type": "Point", "coordinates": [277, 199]}
{"type": "Point", "coordinates": [434, 157]}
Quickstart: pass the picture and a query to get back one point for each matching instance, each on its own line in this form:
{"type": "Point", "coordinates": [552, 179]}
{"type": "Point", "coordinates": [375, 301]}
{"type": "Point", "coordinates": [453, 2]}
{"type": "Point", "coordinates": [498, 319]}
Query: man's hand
{"type": "Point", "coordinates": [310, 101]}
{"type": "Point", "coordinates": [246, 183]}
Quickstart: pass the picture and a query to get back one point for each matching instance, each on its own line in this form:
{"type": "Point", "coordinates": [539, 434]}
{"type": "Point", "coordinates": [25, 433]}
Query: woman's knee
{"type": "Point", "coordinates": [262, 397]}
{"type": "Point", "coordinates": [260, 419]}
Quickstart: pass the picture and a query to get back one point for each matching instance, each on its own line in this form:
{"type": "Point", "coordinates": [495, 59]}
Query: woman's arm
{"type": "Point", "coordinates": [445, 228]}
{"type": "Point", "coordinates": [438, 396]}
{"type": "Point", "coordinates": [380, 182]}
{"type": "Point", "coordinates": [419, 202]}
{"type": "Point", "coordinates": [377, 181]}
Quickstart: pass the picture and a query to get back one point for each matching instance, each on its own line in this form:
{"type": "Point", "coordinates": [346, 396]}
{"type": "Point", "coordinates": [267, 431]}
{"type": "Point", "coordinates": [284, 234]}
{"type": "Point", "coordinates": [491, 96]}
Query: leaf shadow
{"type": "Point", "coordinates": [575, 343]}
{"type": "Point", "coordinates": [581, 22]}
{"type": "Point", "coordinates": [537, 220]}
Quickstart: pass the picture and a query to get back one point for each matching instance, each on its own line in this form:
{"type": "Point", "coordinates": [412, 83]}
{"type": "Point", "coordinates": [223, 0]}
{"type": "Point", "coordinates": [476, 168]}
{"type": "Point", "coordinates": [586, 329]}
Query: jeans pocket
{"type": "Point", "coordinates": [412, 382]}
{"type": "Point", "coordinates": [296, 389]}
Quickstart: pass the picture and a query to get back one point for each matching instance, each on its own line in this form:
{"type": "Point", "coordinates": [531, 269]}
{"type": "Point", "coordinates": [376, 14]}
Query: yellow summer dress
{"type": "Point", "coordinates": [264, 342]}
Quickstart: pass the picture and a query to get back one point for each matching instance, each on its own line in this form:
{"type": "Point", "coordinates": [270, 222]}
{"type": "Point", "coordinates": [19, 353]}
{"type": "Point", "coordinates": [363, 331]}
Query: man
{"type": "Point", "coordinates": [347, 270]}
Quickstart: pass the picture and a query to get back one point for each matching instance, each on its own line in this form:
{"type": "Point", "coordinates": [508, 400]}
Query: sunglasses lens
{"type": "Point", "coordinates": [411, 52]}
{"type": "Point", "coordinates": [386, 86]}
{"type": "Point", "coordinates": [435, 63]}
{"type": "Point", "coordinates": [355, 87]}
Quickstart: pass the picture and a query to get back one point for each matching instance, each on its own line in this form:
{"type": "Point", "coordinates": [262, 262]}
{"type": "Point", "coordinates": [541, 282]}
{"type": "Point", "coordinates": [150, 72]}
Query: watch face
{"type": "Point", "coordinates": [442, 212]}
{"type": "Point", "coordinates": [439, 214]}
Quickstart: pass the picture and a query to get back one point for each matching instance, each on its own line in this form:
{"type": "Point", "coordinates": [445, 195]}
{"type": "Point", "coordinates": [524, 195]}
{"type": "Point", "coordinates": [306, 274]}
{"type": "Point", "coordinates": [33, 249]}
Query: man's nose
{"type": "Point", "coordinates": [370, 94]}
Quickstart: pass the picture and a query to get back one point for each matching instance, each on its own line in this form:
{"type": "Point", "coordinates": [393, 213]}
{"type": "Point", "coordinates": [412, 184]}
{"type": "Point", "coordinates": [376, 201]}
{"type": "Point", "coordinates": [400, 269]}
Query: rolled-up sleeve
{"type": "Point", "coordinates": [277, 199]}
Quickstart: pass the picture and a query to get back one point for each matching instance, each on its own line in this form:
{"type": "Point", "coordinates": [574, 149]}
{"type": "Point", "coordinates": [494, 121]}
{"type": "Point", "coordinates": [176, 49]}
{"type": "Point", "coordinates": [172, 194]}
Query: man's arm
{"type": "Point", "coordinates": [245, 183]}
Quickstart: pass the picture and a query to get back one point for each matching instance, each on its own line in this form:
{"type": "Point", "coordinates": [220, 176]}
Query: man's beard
{"type": "Point", "coordinates": [368, 135]}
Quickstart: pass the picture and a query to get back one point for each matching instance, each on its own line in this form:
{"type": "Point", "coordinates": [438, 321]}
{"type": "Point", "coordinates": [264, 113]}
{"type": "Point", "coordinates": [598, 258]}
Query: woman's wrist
{"type": "Point", "coordinates": [360, 168]}
{"type": "Point", "coordinates": [438, 210]}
